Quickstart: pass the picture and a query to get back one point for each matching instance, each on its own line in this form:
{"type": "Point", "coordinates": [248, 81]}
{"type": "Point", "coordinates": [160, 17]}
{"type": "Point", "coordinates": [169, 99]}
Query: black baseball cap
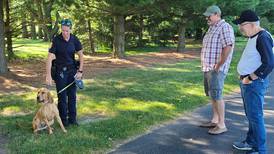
{"type": "Point", "coordinates": [246, 16]}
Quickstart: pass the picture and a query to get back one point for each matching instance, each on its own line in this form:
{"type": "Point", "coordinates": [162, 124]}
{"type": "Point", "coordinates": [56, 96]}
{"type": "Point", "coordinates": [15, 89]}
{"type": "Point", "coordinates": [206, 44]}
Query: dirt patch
{"type": "Point", "coordinates": [25, 76]}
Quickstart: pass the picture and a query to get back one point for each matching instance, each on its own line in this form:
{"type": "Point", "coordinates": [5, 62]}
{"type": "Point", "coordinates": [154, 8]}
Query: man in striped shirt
{"type": "Point", "coordinates": [216, 55]}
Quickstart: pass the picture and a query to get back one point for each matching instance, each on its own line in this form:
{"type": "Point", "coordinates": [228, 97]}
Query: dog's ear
{"type": "Point", "coordinates": [38, 91]}
{"type": "Point", "coordinates": [50, 98]}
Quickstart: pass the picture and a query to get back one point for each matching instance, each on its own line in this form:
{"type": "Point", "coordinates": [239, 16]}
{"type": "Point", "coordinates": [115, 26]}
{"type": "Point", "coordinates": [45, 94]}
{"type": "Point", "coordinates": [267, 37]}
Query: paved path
{"type": "Point", "coordinates": [2, 145]}
{"type": "Point", "coordinates": [183, 136]}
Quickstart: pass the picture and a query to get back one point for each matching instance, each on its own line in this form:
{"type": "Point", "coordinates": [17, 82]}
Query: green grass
{"type": "Point", "coordinates": [190, 43]}
{"type": "Point", "coordinates": [27, 49]}
{"type": "Point", "coordinates": [132, 99]}
{"type": "Point", "coordinates": [143, 50]}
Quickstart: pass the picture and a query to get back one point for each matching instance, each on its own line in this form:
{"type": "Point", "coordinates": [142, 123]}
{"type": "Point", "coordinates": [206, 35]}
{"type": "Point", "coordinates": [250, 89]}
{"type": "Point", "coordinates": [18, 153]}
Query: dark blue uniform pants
{"type": "Point", "coordinates": [67, 98]}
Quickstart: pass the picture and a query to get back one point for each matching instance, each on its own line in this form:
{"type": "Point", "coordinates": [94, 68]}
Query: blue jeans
{"type": "Point", "coordinates": [253, 99]}
{"type": "Point", "coordinates": [67, 98]}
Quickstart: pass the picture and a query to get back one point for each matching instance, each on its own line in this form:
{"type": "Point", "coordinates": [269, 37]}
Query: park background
{"type": "Point", "coordinates": [142, 66]}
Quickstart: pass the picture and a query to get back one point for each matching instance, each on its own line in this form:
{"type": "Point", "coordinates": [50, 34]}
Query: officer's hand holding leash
{"type": "Point", "coordinates": [79, 75]}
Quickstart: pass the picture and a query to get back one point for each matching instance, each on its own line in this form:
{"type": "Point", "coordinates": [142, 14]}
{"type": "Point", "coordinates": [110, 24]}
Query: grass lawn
{"type": "Point", "coordinates": [132, 99]}
{"type": "Point", "coordinates": [27, 49]}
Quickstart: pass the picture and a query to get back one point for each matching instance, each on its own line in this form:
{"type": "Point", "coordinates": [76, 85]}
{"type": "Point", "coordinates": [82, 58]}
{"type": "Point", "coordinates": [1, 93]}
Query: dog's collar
{"type": "Point", "coordinates": [44, 102]}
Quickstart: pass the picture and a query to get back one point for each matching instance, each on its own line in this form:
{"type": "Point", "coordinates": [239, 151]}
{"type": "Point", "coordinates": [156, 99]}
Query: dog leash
{"type": "Point", "coordinates": [79, 84]}
{"type": "Point", "coordinates": [49, 87]}
{"type": "Point", "coordinates": [65, 87]}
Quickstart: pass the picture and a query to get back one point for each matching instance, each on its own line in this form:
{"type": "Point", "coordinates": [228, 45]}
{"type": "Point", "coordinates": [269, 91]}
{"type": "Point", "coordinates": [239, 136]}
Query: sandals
{"type": "Point", "coordinates": [217, 130]}
{"type": "Point", "coordinates": [208, 124]}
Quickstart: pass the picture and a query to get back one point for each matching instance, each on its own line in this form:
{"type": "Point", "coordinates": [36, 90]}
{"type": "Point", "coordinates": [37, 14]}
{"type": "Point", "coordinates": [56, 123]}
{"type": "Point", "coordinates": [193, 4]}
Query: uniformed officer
{"type": "Point", "coordinates": [63, 49]}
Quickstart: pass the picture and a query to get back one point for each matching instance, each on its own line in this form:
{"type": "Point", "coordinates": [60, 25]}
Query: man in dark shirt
{"type": "Point", "coordinates": [63, 49]}
{"type": "Point", "coordinates": [254, 67]}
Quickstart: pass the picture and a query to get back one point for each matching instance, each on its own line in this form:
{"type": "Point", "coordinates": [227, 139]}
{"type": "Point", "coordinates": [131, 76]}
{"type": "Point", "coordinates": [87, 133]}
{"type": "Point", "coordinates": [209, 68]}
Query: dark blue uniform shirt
{"type": "Point", "coordinates": [65, 50]}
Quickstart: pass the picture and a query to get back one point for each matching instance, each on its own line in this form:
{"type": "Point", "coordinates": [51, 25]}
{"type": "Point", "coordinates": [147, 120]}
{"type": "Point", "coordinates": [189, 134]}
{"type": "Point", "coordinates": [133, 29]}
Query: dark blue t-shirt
{"type": "Point", "coordinates": [65, 50]}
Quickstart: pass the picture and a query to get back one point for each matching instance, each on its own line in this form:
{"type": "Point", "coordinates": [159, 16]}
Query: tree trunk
{"type": "Point", "coordinates": [46, 12]}
{"type": "Point", "coordinates": [181, 38]}
{"type": "Point", "coordinates": [199, 34]}
{"type": "Point", "coordinates": [52, 28]}
{"type": "Point", "coordinates": [119, 37]}
{"type": "Point", "coordinates": [46, 35]}
{"type": "Point", "coordinates": [39, 16]}
{"type": "Point", "coordinates": [40, 32]}
{"type": "Point", "coordinates": [140, 42]}
{"type": "Point", "coordinates": [33, 29]}
{"type": "Point", "coordinates": [3, 64]}
{"type": "Point", "coordinates": [24, 26]}
{"type": "Point", "coordinates": [90, 31]}
{"type": "Point", "coordinates": [91, 39]}
{"type": "Point", "coordinates": [8, 31]}
{"type": "Point", "coordinates": [44, 17]}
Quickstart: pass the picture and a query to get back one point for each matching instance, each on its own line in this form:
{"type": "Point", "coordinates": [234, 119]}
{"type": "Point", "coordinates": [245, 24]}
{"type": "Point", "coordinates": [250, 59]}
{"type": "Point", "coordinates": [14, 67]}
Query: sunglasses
{"type": "Point", "coordinates": [66, 22]}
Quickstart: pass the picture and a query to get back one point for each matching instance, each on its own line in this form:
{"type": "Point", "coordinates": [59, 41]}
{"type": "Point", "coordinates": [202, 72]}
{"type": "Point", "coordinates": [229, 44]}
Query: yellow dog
{"type": "Point", "coordinates": [46, 113]}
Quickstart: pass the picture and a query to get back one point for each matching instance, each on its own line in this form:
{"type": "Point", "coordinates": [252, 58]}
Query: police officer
{"type": "Point", "coordinates": [63, 49]}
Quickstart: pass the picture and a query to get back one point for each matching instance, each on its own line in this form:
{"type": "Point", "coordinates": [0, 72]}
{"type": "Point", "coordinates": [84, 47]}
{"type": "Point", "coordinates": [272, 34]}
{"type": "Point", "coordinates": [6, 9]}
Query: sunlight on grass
{"type": "Point", "coordinates": [10, 110]}
{"type": "Point", "coordinates": [143, 50]}
{"type": "Point", "coordinates": [121, 84]}
{"type": "Point", "coordinates": [90, 107]}
{"type": "Point", "coordinates": [173, 69]}
{"type": "Point", "coordinates": [31, 96]}
{"type": "Point", "coordinates": [193, 45]}
{"type": "Point", "coordinates": [197, 91]}
{"type": "Point", "coordinates": [132, 104]}
{"type": "Point", "coordinates": [230, 87]}
{"type": "Point", "coordinates": [26, 49]}
{"type": "Point", "coordinates": [18, 104]}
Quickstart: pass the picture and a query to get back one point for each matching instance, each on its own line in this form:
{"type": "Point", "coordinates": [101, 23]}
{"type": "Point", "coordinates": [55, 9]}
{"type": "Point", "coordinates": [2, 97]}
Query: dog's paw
{"type": "Point", "coordinates": [65, 131]}
{"type": "Point", "coordinates": [50, 132]}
